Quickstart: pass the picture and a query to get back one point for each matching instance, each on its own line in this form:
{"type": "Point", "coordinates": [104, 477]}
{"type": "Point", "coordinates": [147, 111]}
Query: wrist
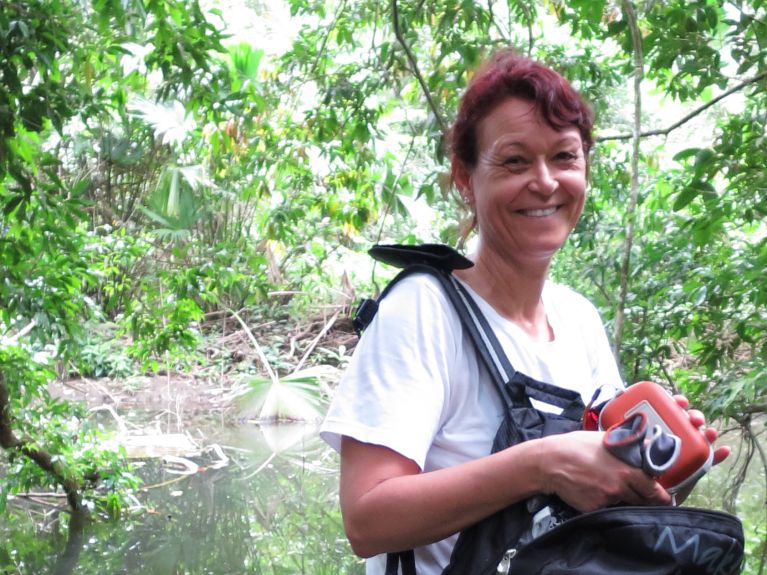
{"type": "Point", "coordinates": [549, 461]}
{"type": "Point", "coordinates": [543, 456]}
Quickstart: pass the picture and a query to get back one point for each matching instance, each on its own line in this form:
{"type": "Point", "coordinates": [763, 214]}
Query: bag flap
{"type": "Point", "coordinates": [440, 256]}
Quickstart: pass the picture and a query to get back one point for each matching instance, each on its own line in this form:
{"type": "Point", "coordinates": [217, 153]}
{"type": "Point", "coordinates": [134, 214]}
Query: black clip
{"type": "Point", "coordinates": [365, 313]}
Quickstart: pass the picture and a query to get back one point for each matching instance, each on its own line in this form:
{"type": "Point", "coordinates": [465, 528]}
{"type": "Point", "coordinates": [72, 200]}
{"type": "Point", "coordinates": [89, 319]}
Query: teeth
{"type": "Point", "coordinates": [539, 213]}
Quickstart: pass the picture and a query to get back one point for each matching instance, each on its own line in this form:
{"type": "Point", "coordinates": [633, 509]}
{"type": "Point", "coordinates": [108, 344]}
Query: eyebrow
{"type": "Point", "coordinates": [567, 139]}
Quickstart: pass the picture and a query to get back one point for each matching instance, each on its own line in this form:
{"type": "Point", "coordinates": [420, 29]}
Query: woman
{"type": "Point", "coordinates": [415, 416]}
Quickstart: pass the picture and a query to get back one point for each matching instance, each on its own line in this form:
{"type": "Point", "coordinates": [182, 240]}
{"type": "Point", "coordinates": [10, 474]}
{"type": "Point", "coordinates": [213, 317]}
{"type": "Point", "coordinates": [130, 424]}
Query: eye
{"type": "Point", "coordinates": [514, 161]}
{"type": "Point", "coordinates": [566, 156]}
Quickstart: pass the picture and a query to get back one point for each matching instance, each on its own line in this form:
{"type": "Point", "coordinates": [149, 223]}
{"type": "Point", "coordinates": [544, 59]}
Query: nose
{"type": "Point", "coordinates": [542, 180]}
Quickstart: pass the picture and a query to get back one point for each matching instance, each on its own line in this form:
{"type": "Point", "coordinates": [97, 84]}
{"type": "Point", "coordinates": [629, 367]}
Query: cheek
{"type": "Point", "coordinates": [576, 185]}
{"type": "Point", "coordinates": [504, 184]}
{"type": "Point", "coordinates": [579, 209]}
{"type": "Point", "coordinates": [577, 188]}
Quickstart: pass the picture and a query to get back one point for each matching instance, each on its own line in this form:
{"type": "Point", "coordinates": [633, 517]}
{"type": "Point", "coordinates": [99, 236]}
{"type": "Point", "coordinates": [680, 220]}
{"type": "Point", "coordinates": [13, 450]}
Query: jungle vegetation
{"type": "Point", "coordinates": [157, 173]}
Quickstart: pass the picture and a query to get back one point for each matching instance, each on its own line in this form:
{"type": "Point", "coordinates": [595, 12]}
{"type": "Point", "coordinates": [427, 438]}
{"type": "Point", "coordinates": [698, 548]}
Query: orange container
{"type": "Point", "coordinates": [696, 454]}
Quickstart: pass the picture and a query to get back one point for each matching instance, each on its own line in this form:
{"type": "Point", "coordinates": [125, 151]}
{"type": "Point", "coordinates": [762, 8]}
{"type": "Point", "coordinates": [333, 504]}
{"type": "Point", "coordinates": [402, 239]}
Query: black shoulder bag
{"type": "Point", "coordinates": [544, 535]}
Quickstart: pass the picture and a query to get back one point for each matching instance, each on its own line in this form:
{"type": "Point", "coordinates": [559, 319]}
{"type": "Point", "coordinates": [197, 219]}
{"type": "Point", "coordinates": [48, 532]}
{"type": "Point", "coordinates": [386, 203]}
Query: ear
{"type": "Point", "coordinates": [462, 178]}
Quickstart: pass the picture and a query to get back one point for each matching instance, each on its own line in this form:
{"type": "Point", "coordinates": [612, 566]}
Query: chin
{"type": "Point", "coordinates": [545, 250]}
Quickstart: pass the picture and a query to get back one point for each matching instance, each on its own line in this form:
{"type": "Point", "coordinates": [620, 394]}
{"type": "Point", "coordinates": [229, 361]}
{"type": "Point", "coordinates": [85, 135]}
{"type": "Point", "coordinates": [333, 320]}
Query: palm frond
{"type": "Point", "coordinates": [244, 61]}
{"type": "Point", "coordinates": [285, 399]}
{"type": "Point", "coordinates": [170, 122]}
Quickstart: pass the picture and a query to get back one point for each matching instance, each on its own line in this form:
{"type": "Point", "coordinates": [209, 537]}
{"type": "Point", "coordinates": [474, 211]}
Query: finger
{"type": "Point", "coordinates": [654, 497]}
{"type": "Point", "coordinates": [646, 491]}
{"type": "Point", "coordinates": [711, 434]}
{"type": "Point", "coordinates": [721, 453]}
{"type": "Point", "coordinates": [696, 417]}
{"type": "Point", "coordinates": [682, 401]}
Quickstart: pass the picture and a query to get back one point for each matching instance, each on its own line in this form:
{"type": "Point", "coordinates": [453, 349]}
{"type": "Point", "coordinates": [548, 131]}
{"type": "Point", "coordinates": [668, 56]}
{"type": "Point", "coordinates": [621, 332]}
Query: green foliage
{"type": "Point", "coordinates": [101, 354]}
{"type": "Point", "coordinates": [151, 172]}
{"type": "Point", "coordinates": [63, 430]}
{"type": "Point", "coordinates": [61, 68]}
{"type": "Point", "coordinates": [33, 36]}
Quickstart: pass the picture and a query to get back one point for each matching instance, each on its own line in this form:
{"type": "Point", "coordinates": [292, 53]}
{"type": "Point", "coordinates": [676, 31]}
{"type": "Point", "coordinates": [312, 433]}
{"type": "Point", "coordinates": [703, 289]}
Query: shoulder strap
{"type": "Point", "coordinates": [439, 261]}
{"type": "Point", "coordinates": [404, 558]}
{"type": "Point", "coordinates": [428, 258]}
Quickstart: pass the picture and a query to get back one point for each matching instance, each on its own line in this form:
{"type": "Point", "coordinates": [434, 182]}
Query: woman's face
{"type": "Point", "coordinates": [529, 184]}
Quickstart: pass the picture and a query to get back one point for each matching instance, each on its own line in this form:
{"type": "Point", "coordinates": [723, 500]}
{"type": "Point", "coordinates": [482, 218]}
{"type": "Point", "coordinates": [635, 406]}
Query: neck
{"type": "Point", "coordinates": [513, 287]}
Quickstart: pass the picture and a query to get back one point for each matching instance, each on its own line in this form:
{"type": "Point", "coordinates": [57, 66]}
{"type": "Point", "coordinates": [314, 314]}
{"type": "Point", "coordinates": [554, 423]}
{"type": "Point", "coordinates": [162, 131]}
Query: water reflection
{"type": "Point", "coordinates": [272, 510]}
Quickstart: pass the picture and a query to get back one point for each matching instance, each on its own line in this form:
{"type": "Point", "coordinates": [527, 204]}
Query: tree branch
{"type": "Point", "coordinates": [414, 67]}
{"type": "Point", "coordinates": [529, 18]}
{"type": "Point", "coordinates": [43, 459]}
{"type": "Point", "coordinates": [690, 116]}
{"type": "Point", "coordinates": [11, 340]}
{"type": "Point", "coordinates": [636, 40]}
{"type": "Point", "coordinates": [326, 38]}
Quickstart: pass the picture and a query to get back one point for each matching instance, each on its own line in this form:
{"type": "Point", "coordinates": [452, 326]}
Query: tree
{"type": "Point", "coordinates": [149, 175]}
{"type": "Point", "coordinates": [62, 72]}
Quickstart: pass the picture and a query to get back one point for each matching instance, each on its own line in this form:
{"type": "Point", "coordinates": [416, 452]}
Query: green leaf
{"type": "Point", "coordinates": [684, 154]}
{"type": "Point", "coordinates": [687, 195]}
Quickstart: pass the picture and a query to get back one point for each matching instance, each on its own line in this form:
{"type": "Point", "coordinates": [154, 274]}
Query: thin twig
{"type": "Point", "coordinates": [757, 446]}
{"type": "Point", "coordinates": [760, 449]}
{"type": "Point", "coordinates": [262, 466]}
{"type": "Point", "coordinates": [529, 21]}
{"type": "Point", "coordinates": [259, 351]}
{"type": "Point", "coordinates": [690, 116]}
{"type": "Point", "coordinates": [316, 340]}
{"type": "Point", "coordinates": [393, 193]}
{"type": "Point", "coordinates": [415, 70]}
{"type": "Point", "coordinates": [636, 40]}
{"type": "Point", "coordinates": [165, 483]}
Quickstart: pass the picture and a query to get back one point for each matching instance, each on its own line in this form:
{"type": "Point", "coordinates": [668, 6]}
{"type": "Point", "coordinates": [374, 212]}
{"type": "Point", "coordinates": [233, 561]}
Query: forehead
{"type": "Point", "coordinates": [519, 122]}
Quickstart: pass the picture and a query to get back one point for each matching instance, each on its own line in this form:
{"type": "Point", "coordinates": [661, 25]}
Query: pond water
{"type": "Point", "coordinates": [272, 510]}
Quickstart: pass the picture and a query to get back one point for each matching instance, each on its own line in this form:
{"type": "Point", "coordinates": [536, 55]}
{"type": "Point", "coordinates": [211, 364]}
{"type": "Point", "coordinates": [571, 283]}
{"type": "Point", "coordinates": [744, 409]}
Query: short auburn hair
{"type": "Point", "coordinates": [510, 75]}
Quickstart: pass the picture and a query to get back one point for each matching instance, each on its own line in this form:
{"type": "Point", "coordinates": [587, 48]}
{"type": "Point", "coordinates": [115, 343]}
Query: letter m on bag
{"type": "Point", "coordinates": [668, 535]}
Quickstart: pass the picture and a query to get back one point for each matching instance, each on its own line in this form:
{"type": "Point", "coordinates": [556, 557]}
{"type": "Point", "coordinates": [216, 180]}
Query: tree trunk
{"type": "Point", "coordinates": [636, 40]}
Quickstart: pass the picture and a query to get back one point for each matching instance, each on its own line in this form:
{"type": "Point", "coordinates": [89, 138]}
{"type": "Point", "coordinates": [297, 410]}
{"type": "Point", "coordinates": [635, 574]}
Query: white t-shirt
{"type": "Point", "coordinates": [417, 386]}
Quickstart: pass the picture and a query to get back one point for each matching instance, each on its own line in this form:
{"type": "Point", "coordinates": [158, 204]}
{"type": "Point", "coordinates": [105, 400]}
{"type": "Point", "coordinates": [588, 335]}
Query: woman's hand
{"type": "Point", "coordinates": [699, 420]}
{"type": "Point", "coordinates": [586, 476]}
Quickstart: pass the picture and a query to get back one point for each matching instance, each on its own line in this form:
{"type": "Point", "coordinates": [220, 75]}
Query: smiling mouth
{"type": "Point", "coordinates": [539, 213]}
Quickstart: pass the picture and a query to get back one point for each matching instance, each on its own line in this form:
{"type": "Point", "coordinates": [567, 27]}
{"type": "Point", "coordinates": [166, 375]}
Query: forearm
{"type": "Point", "coordinates": [388, 505]}
{"type": "Point", "coordinates": [411, 510]}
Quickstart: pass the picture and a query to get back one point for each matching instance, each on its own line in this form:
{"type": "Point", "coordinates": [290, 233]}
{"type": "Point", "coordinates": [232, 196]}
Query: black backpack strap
{"type": "Point", "coordinates": [429, 258]}
{"type": "Point", "coordinates": [436, 255]}
{"type": "Point", "coordinates": [404, 558]}
{"type": "Point", "coordinates": [439, 261]}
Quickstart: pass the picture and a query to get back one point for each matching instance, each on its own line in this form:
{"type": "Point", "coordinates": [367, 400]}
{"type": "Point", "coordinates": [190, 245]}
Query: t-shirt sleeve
{"type": "Point", "coordinates": [397, 382]}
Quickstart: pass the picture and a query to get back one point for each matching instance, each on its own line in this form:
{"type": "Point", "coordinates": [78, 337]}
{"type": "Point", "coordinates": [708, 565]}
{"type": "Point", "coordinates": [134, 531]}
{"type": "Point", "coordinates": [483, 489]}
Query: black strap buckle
{"type": "Point", "coordinates": [365, 313]}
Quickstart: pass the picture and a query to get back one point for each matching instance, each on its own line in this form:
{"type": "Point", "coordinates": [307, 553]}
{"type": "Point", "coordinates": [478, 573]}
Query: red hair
{"type": "Point", "coordinates": [510, 75]}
